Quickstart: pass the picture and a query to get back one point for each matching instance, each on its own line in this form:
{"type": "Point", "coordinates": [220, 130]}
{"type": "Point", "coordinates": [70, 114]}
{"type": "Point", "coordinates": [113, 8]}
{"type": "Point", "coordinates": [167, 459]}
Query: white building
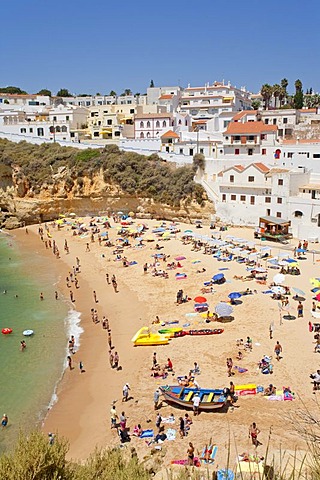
{"type": "Point", "coordinates": [19, 100]}
{"type": "Point", "coordinates": [151, 125]}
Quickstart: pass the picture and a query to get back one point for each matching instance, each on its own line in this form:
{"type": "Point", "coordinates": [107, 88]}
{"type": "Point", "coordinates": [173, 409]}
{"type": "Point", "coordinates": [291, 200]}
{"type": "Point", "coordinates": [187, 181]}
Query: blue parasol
{"type": "Point", "coordinates": [234, 295]}
{"type": "Point", "coordinates": [217, 277]}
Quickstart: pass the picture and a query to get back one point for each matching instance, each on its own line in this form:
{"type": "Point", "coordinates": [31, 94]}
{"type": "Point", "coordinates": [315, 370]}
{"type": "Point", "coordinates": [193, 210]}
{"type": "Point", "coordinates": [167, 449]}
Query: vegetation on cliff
{"type": "Point", "coordinates": [135, 174]}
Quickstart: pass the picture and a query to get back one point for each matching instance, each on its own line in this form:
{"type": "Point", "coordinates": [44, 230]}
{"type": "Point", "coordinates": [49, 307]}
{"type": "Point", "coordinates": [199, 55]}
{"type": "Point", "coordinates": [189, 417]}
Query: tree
{"type": "Point", "coordinates": [276, 92]}
{"type": "Point", "coordinates": [44, 91]}
{"type": "Point", "coordinates": [64, 92]}
{"type": "Point", "coordinates": [151, 84]}
{"type": "Point", "coordinates": [266, 92]}
{"type": "Point", "coordinates": [298, 97]}
{"type": "Point", "coordinates": [13, 90]}
{"type": "Point", "coordinates": [255, 104]}
{"type": "Point", "coordinates": [282, 95]}
{"type": "Point", "coordinates": [284, 83]}
{"type": "Point", "coordinates": [127, 91]}
{"type": "Point", "coordinates": [199, 161]}
{"type": "Point", "coordinates": [112, 93]}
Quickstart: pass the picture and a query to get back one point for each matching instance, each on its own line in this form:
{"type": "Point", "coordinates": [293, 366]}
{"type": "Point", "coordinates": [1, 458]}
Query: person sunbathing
{"type": "Point", "coordinates": [184, 381]}
{"type": "Point", "coordinates": [207, 453]}
{"type": "Point", "coordinates": [271, 390]}
{"type": "Point", "coordinates": [239, 356]}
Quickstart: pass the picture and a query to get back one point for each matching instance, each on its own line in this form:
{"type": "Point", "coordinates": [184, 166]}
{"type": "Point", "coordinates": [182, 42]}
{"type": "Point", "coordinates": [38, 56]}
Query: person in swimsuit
{"type": "Point", "coordinates": [4, 420]}
{"type": "Point", "coordinates": [190, 453]}
{"type": "Point", "coordinates": [253, 433]}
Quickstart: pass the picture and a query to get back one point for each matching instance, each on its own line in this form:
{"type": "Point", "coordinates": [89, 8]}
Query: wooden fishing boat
{"type": "Point", "coordinates": [210, 399]}
{"type": "Point", "coordinates": [203, 331]}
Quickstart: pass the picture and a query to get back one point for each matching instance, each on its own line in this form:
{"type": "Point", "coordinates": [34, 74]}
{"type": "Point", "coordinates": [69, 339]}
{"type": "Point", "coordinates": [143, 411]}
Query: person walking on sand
{"type": "Point", "coordinates": [271, 331]}
{"type": "Point", "coordinates": [190, 454]}
{"type": "Point", "coordinates": [69, 362]}
{"type": "Point", "coordinates": [158, 422]}
{"type": "Point", "coordinates": [229, 366]}
{"type": "Point", "coordinates": [87, 247]}
{"type": "Point", "coordinates": [107, 278]}
{"type": "Point", "coordinates": [253, 434]}
{"type": "Point", "coordinates": [125, 392]}
{"type": "Point", "coordinates": [278, 350]}
{"type": "Point", "coordinates": [300, 309]}
{"type": "Point", "coordinates": [109, 340]}
{"type": "Point", "coordinates": [95, 296]}
{"type": "Point", "coordinates": [116, 361]}
{"type": "Point", "coordinates": [4, 420]}
{"type": "Point", "coordinates": [156, 397]}
{"type": "Point", "coordinates": [113, 416]}
{"type": "Point", "coordinates": [82, 370]}
{"type": "Point", "coordinates": [71, 296]}
{"type": "Point", "coordinates": [111, 358]}
{"type": "Point", "coordinates": [41, 296]}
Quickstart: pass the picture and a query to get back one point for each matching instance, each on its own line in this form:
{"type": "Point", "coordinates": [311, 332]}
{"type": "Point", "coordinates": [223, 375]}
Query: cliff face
{"type": "Point", "coordinates": [21, 204]}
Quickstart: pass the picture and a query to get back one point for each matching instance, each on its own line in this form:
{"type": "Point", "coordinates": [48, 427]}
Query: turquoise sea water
{"type": "Point", "coordinates": [28, 378]}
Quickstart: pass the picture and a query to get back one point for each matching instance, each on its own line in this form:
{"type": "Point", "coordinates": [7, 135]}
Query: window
{"type": "Point", "coordinates": [141, 135]}
{"type": "Point", "coordinates": [279, 214]}
{"type": "Point", "coordinates": [290, 154]}
{"type": "Point", "coordinates": [31, 130]}
{"type": "Point", "coordinates": [252, 200]}
{"type": "Point", "coordinates": [109, 122]}
{"type": "Point", "coordinates": [266, 121]}
{"type": "Point", "coordinates": [298, 214]}
{"type": "Point", "coordinates": [148, 134]}
{"type": "Point", "coordinates": [201, 150]}
{"type": "Point", "coordinates": [274, 121]}
{"type": "Point", "coordinates": [23, 130]}
{"type": "Point", "coordinates": [250, 151]}
{"type": "Point", "coordinates": [233, 197]}
{"type": "Point", "coordinates": [279, 200]}
{"type": "Point", "coordinates": [268, 212]}
{"type": "Point", "coordinates": [54, 119]}
{"type": "Point", "coordinates": [64, 128]}
{"type": "Point", "coordinates": [264, 151]}
{"type": "Point", "coordinates": [237, 138]}
{"type": "Point", "coordinates": [148, 124]}
{"type": "Point", "coordinates": [131, 110]}
{"type": "Point", "coordinates": [285, 120]}
{"type": "Point", "coordinates": [96, 134]}
{"type": "Point", "coordinates": [263, 136]}
{"type": "Point", "coordinates": [141, 125]}
{"type": "Point", "coordinates": [268, 200]}
{"type": "Point", "coordinates": [226, 123]}
{"type": "Point", "coordinates": [316, 155]}
{"type": "Point", "coordinates": [224, 197]}
{"type": "Point", "coordinates": [231, 178]}
{"type": "Point", "coordinates": [157, 124]}
{"type": "Point", "coordinates": [51, 129]}
{"type": "Point", "coordinates": [40, 132]}
{"type": "Point", "coordinates": [67, 118]}
{"type": "Point", "coordinates": [58, 129]}
{"type": "Point", "coordinates": [280, 181]}
{"type": "Point", "coordinates": [250, 138]}
{"type": "Point", "coordinates": [164, 124]}
{"type": "Point", "coordinates": [250, 179]}
{"type": "Point", "coordinates": [181, 151]}
{"type": "Point", "coordinates": [242, 198]}
{"type": "Point", "coordinates": [237, 151]}
{"type": "Point", "coordinates": [191, 151]}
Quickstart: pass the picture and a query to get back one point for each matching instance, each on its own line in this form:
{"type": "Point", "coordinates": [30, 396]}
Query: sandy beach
{"type": "Point", "coordinates": [82, 413]}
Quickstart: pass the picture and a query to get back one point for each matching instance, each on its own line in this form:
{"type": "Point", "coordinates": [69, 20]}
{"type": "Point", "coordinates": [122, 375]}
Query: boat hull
{"type": "Point", "coordinates": [210, 399]}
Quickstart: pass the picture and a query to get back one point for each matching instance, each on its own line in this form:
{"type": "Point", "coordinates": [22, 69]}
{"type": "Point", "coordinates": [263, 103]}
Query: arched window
{"type": "Point", "coordinates": [179, 123]}
{"type": "Point", "coordinates": [164, 123]}
{"type": "Point", "coordinates": [58, 129]}
{"type": "Point", "coordinates": [298, 214]}
{"type": "Point", "coordinates": [148, 134]}
{"type": "Point", "coordinates": [141, 125]}
{"type": "Point", "coordinates": [148, 124]}
{"type": "Point", "coordinates": [64, 128]}
{"type": "Point", "coordinates": [51, 129]}
{"type": "Point", "coordinates": [157, 124]}
{"type": "Point", "coordinates": [141, 135]}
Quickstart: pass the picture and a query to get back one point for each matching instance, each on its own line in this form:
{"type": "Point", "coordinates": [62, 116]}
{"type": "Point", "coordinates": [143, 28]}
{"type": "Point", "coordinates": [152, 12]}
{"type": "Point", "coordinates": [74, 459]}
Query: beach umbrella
{"type": "Point", "coordinates": [234, 295]}
{"type": "Point", "coordinates": [188, 231]}
{"type": "Point", "coordinates": [278, 290]}
{"type": "Point", "coordinates": [223, 309]}
{"type": "Point", "coordinates": [279, 278]}
{"type": "Point", "coordinates": [72, 214]}
{"type": "Point", "coordinates": [120, 213]}
{"type": "Point", "coordinates": [298, 291]}
{"type": "Point", "coordinates": [273, 261]}
{"type": "Point", "coordinates": [200, 299]}
{"type": "Point", "coordinates": [318, 297]}
{"type": "Point", "coordinates": [181, 257]}
{"type": "Point", "coordinates": [217, 277]}
{"type": "Point", "coordinates": [291, 260]}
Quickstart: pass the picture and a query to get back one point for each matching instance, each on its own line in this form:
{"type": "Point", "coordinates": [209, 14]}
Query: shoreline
{"type": "Point", "coordinates": [84, 400]}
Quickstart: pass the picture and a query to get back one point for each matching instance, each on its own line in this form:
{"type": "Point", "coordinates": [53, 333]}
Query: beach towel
{"type": "Point", "coordinates": [267, 292]}
{"type": "Point", "coordinates": [224, 268]}
{"type": "Point", "coordinates": [213, 449]}
{"type": "Point", "coordinates": [240, 369]}
{"type": "Point", "coordinates": [224, 474]}
{"type": "Point", "coordinates": [180, 276]}
{"type": "Point", "coordinates": [168, 420]}
{"type": "Point", "coordinates": [171, 434]}
{"type": "Point", "coordinates": [133, 263]}
{"type": "Point", "coordinates": [275, 397]}
{"type": "Point", "coordinates": [185, 325]}
{"type": "Point", "coordinates": [196, 462]}
{"type": "Point", "coordinates": [147, 434]}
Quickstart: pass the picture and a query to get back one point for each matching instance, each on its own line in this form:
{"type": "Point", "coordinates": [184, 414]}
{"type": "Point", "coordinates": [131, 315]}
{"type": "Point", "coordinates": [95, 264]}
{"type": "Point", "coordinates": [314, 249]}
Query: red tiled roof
{"type": "Point", "coordinates": [242, 114]}
{"type": "Point", "coordinates": [249, 127]}
{"type": "Point", "coordinates": [170, 134]}
{"type": "Point", "coordinates": [294, 141]}
{"type": "Point", "coordinates": [240, 168]}
{"type": "Point", "coordinates": [308, 110]}
{"type": "Point", "coordinates": [152, 115]}
{"type": "Point", "coordinates": [262, 167]}
{"type": "Point", "coordinates": [166, 96]}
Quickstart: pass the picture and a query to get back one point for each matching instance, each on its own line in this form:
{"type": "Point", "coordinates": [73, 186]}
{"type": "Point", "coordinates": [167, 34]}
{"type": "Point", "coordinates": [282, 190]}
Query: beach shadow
{"type": "Point", "coordinates": [236, 302]}
{"type": "Point", "coordinates": [298, 299]}
{"type": "Point", "coordinates": [289, 317]}
{"type": "Point", "coordinates": [228, 319]}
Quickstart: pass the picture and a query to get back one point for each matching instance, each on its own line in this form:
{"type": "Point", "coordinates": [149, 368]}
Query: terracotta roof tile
{"type": "Point", "coordinates": [243, 113]}
{"type": "Point", "coordinates": [294, 141]}
{"type": "Point", "coordinates": [262, 167]}
{"type": "Point", "coordinates": [170, 134]}
{"type": "Point", "coordinates": [249, 128]}
{"type": "Point", "coordinates": [166, 96]}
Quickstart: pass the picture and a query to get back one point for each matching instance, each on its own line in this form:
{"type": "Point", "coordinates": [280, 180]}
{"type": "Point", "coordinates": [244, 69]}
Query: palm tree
{"type": "Point", "coordinates": [298, 85]}
{"type": "Point", "coordinates": [127, 91]}
{"type": "Point", "coordinates": [284, 83]}
{"type": "Point", "coordinates": [266, 92]}
{"type": "Point", "coordinates": [276, 92]}
{"type": "Point", "coordinates": [282, 95]}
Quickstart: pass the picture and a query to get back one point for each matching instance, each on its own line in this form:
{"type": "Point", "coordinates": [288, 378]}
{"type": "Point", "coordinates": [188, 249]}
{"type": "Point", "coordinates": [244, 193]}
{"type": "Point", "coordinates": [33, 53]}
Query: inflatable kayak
{"type": "Point", "coordinates": [27, 333]}
{"type": "Point", "coordinates": [6, 331]}
{"type": "Point", "coordinates": [206, 331]}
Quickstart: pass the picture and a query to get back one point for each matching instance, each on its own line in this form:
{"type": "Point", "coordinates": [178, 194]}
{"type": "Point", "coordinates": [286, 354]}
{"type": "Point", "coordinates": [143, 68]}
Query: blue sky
{"type": "Point", "coordinates": [102, 45]}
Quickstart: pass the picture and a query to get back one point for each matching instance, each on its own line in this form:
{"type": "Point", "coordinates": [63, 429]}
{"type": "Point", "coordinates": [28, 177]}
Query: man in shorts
{"type": "Point", "coordinates": [196, 403]}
